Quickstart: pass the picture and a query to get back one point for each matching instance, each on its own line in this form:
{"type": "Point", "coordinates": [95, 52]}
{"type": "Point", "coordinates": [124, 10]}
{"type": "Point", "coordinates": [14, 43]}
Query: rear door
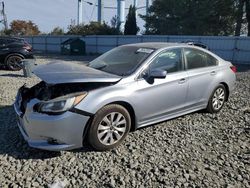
{"type": "Point", "coordinates": [201, 69]}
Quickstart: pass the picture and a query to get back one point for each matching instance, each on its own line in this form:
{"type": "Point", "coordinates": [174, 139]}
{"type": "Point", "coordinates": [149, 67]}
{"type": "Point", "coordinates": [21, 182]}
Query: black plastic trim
{"type": "Point", "coordinates": [78, 111]}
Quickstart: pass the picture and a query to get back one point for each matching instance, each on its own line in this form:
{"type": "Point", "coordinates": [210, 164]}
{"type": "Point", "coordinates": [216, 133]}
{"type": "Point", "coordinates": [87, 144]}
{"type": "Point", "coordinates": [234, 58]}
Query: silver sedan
{"type": "Point", "coordinates": [127, 88]}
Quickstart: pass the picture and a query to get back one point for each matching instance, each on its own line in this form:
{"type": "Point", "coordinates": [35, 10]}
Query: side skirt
{"type": "Point", "coordinates": [170, 116]}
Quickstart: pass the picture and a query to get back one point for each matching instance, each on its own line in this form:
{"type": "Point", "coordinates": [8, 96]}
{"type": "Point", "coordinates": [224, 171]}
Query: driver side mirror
{"type": "Point", "coordinates": [157, 73]}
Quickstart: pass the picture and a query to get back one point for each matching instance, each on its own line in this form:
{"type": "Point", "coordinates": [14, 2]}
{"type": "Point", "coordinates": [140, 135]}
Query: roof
{"type": "Point", "coordinates": [156, 45]}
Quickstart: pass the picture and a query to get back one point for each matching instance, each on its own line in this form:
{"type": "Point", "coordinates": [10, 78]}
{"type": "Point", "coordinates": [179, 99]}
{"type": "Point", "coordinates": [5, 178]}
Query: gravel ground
{"type": "Point", "coordinates": [196, 150]}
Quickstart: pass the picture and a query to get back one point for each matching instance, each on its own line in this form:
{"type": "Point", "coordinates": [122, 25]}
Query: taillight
{"type": "Point", "coordinates": [28, 48]}
{"type": "Point", "coordinates": [233, 68]}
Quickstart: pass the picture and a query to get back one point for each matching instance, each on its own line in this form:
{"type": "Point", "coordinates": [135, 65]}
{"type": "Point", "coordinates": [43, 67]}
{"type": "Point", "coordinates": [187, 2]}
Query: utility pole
{"type": "Point", "coordinates": [4, 17]}
{"type": "Point", "coordinates": [147, 6]}
{"type": "Point", "coordinates": [121, 14]}
{"type": "Point", "coordinates": [80, 12]}
{"type": "Point", "coordinates": [100, 11]}
{"type": "Point", "coordinates": [135, 5]}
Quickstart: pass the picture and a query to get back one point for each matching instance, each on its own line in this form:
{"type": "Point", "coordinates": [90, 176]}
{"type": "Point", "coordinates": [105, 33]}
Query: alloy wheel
{"type": "Point", "coordinates": [218, 98]}
{"type": "Point", "coordinates": [14, 63]}
{"type": "Point", "coordinates": [112, 128]}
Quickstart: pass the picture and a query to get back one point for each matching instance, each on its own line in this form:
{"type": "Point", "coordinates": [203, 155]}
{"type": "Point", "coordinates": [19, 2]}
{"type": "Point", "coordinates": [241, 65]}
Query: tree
{"type": "Point", "coordinates": [191, 17]}
{"type": "Point", "coordinates": [57, 31]}
{"type": "Point", "coordinates": [115, 25]}
{"type": "Point", "coordinates": [130, 25]}
{"type": "Point", "coordinates": [114, 21]}
{"type": "Point", "coordinates": [94, 28]}
{"type": "Point", "coordinates": [21, 27]}
{"type": "Point", "coordinates": [239, 16]}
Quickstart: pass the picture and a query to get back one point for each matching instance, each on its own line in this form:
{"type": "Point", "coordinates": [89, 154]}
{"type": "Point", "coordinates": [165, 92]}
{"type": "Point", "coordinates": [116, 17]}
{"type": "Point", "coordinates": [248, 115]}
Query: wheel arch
{"type": "Point", "coordinates": [130, 110]}
{"type": "Point", "coordinates": [12, 54]}
{"type": "Point", "coordinates": [227, 89]}
{"type": "Point", "coordinates": [124, 104]}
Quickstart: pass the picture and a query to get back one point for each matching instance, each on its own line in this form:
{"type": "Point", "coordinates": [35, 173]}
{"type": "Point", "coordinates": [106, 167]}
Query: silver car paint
{"type": "Point", "coordinates": [129, 90]}
{"type": "Point", "coordinates": [166, 98]}
{"type": "Point", "coordinates": [64, 72]}
{"type": "Point", "coordinates": [38, 128]}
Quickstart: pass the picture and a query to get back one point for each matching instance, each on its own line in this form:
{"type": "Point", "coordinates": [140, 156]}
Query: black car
{"type": "Point", "coordinates": [12, 51]}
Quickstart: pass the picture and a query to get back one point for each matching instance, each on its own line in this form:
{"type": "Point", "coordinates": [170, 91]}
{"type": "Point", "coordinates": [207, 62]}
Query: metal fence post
{"type": "Point", "coordinates": [32, 41]}
{"type": "Point", "coordinates": [117, 39]}
{"type": "Point", "coordinates": [96, 44]}
{"type": "Point", "coordinates": [46, 48]}
{"type": "Point", "coordinates": [235, 49]}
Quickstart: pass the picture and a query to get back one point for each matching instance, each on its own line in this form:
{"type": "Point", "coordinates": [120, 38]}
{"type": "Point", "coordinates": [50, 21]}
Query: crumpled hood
{"type": "Point", "coordinates": [59, 72]}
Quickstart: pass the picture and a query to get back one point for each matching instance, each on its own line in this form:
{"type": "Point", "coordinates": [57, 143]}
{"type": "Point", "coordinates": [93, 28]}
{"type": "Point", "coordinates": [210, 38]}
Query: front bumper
{"type": "Point", "coordinates": [51, 132]}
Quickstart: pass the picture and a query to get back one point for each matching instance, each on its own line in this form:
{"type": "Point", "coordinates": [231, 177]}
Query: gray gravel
{"type": "Point", "coordinates": [196, 150]}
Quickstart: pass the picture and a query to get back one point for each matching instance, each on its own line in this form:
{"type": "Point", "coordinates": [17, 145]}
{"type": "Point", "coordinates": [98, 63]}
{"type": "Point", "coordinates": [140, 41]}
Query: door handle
{"type": "Point", "coordinates": [213, 73]}
{"type": "Point", "coordinates": [181, 81]}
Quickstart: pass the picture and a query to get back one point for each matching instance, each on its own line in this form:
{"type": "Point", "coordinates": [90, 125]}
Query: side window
{"type": "Point", "coordinates": [195, 58]}
{"type": "Point", "coordinates": [170, 60]}
{"type": "Point", "coordinates": [211, 61]}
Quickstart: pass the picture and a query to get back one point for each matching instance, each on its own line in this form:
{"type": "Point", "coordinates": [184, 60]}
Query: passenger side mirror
{"type": "Point", "coordinates": [157, 73]}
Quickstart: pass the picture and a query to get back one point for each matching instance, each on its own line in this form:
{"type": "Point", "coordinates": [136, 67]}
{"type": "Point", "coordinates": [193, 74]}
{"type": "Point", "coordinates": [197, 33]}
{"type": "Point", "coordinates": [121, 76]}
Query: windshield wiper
{"type": "Point", "coordinates": [100, 66]}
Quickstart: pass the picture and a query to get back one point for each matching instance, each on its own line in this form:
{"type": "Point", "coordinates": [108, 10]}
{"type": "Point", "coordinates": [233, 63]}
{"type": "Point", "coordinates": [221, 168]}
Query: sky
{"type": "Point", "coordinates": [48, 14]}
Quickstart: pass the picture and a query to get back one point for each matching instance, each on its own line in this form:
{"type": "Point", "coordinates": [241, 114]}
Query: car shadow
{"type": "Point", "coordinates": [12, 142]}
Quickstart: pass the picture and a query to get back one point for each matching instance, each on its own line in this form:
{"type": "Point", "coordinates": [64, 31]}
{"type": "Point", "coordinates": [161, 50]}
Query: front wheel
{"type": "Point", "coordinates": [109, 128]}
{"type": "Point", "coordinates": [217, 99]}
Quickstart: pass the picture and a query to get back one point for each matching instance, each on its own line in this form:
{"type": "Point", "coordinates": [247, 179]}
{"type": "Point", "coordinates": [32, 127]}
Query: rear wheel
{"type": "Point", "coordinates": [217, 99]}
{"type": "Point", "coordinates": [109, 128]}
{"type": "Point", "coordinates": [14, 62]}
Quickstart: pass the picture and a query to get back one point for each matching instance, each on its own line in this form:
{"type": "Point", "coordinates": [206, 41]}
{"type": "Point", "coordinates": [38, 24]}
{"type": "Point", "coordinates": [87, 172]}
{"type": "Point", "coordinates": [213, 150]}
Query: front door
{"type": "Point", "coordinates": [157, 98]}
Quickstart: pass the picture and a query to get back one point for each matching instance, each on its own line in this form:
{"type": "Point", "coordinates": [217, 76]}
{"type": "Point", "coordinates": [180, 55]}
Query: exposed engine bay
{"type": "Point", "coordinates": [46, 92]}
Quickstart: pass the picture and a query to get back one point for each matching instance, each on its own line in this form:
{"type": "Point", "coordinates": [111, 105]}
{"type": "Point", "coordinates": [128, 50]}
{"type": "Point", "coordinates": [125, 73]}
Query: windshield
{"type": "Point", "coordinates": [122, 60]}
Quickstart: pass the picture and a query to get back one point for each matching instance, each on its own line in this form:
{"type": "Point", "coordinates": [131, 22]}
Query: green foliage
{"type": "Point", "coordinates": [94, 28]}
{"type": "Point", "coordinates": [22, 27]}
{"type": "Point", "coordinates": [57, 31]}
{"type": "Point", "coordinates": [130, 25]}
{"type": "Point", "coordinates": [191, 17]}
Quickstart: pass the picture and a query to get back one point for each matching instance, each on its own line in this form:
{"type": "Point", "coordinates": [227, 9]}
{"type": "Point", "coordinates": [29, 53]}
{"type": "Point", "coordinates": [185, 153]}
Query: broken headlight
{"type": "Point", "coordinates": [59, 105]}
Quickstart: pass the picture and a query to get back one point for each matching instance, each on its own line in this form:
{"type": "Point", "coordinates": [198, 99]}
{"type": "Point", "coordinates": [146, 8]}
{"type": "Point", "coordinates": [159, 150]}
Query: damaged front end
{"type": "Point", "coordinates": [56, 98]}
{"type": "Point", "coordinates": [46, 116]}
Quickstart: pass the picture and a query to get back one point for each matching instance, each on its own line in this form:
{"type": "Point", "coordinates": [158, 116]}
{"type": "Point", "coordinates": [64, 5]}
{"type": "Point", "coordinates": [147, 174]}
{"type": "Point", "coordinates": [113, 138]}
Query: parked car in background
{"type": "Point", "coordinates": [12, 51]}
{"type": "Point", "coordinates": [127, 88]}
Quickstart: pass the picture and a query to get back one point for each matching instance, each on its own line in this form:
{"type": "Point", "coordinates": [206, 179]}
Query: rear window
{"type": "Point", "coordinates": [211, 61]}
{"type": "Point", "coordinates": [198, 59]}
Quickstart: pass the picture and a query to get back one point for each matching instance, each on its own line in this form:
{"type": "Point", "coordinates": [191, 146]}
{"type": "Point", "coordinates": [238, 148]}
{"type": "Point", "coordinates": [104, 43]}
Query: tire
{"type": "Point", "coordinates": [105, 135]}
{"type": "Point", "coordinates": [13, 62]}
{"type": "Point", "coordinates": [217, 99]}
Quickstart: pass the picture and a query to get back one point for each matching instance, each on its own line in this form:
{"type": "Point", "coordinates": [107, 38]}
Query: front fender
{"type": "Point", "coordinates": [98, 98]}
